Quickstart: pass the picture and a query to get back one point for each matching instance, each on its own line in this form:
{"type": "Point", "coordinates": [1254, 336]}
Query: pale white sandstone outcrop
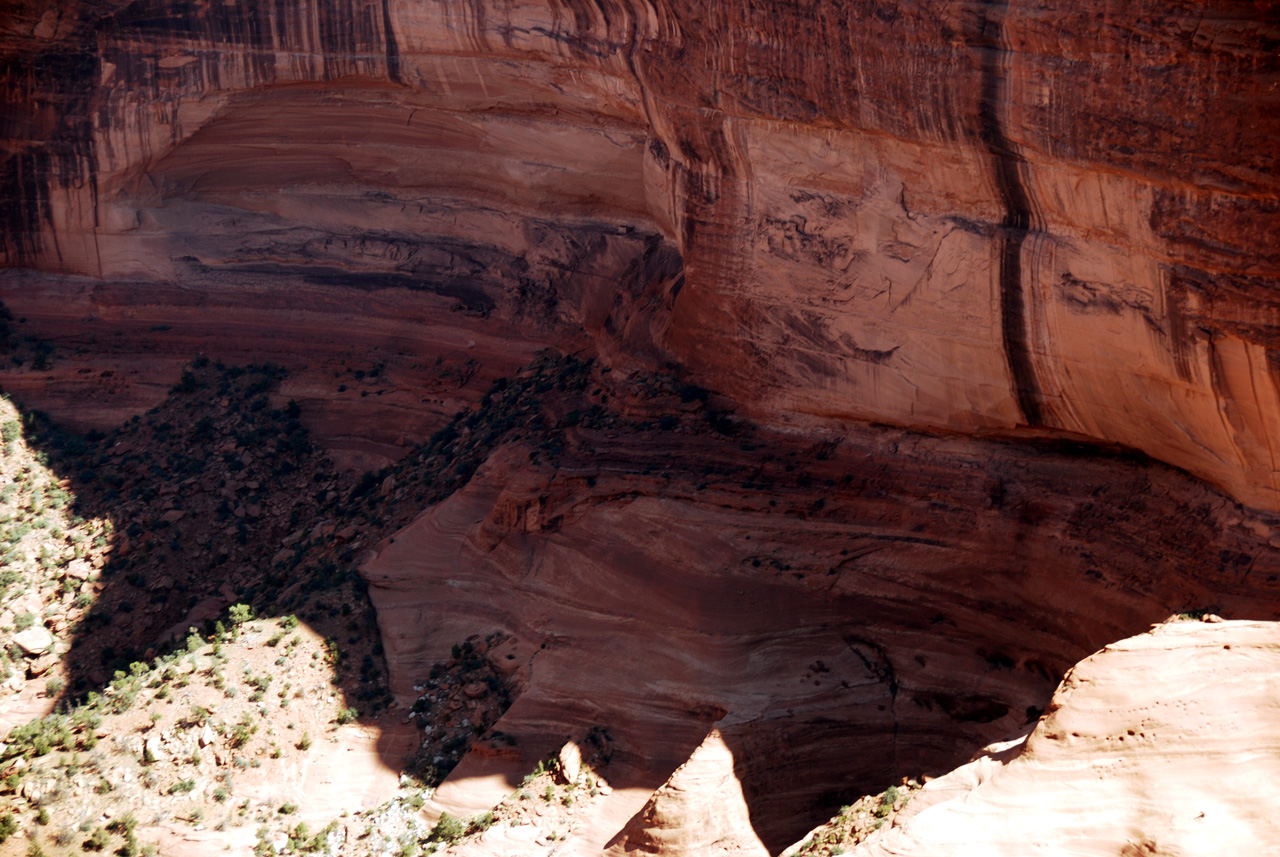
{"type": "Point", "coordinates": [1167, 743]}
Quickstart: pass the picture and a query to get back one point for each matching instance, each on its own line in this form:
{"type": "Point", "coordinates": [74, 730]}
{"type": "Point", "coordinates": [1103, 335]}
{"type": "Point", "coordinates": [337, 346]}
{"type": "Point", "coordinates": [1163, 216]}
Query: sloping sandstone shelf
{"type": "Point", "coordinates": [1165, 743]}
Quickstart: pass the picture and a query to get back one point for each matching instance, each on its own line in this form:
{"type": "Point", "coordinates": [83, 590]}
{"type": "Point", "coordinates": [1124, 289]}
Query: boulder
{"type": "Point", "coordinates": [34, 641]}
{"type": "Point", "coordinates": [569, 763]}
{"type": "Point", "coordinates": [41, 665]}
{"type": "Point", "coordinates": [153, 749]}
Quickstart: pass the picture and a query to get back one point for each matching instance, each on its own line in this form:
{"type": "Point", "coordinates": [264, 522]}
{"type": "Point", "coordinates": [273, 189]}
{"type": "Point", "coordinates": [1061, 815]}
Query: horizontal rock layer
{"type": "Point", "coordinates": [979, 220]}
{"type": "Point", "coordinates": [968, 217]}
{"type": "Point", "coordinates": [659, 584]}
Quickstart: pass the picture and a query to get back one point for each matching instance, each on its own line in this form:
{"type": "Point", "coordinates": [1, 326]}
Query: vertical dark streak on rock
{"type": "Point", "coordinates": [393, 50]}
{"type": "Point", "coordinates": [1175, 297]}
{"type": "Point", "coordinates": [62, 156]}
{"type": "Point", "coordinates": [1017, 207]}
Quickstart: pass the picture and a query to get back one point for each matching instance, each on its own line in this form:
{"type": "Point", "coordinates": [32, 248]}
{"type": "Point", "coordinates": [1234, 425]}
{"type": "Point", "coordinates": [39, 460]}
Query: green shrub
{"type": "Point", "coordinates": [320, 841]}
{"type": "Point", "coordinates": [347, 715]}
{"type": "Point", "coordinates": [239, 614]}
{"type": "Point", "coordinates": [448, 829]}
{"type": "Point", "coordinates": [298, 836]}
{"type": "Point", "coordinates": [39, 737]}
{"type": "Point", "coordinates": [887, 800]}
{"type": "Point", "coordinates": [125, 824]}
{"type": "Point", "coordinates": [97, 841]}
{"type": "Point", "coordinates": [182, 787]}
{"type": "Point", "coordinates": [243, 731]}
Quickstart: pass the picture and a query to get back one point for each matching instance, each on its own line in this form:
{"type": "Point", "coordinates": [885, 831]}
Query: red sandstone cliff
{"type": "Point", "coordinates": [959, 216]}
{"type": "Point", "coordinates": [996, 222]}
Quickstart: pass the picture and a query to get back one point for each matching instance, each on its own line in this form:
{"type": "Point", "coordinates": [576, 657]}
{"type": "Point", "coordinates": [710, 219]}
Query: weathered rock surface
{"type": "Point", "coordinates": [371, 378]}
{"type": "Point", "coordinates": [1007, 219]}
{"type": "Point", "coordinates": [928, 605]}
{"type": "Point", "coordinates": [970, 217]}
{"type": "Point", "coordinates": [699, 810]}
{"type": "Point", "coordinates": [1166, 743]}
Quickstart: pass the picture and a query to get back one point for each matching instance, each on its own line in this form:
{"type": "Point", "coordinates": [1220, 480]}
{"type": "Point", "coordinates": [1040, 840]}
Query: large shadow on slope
{"type": "Point", "coordinates": [954, 580]}
{"type": "Point", "coordinates": [211, 499]}
{"type": "Point", "coordinates": [975, 574]}
{"type": "Point", "coordinates": [847, 613]}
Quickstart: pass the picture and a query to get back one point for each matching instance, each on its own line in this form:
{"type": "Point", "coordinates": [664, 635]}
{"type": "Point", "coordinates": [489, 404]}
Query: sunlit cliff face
{"type": "Point", "coordinates": [1019, 241]}
{"type": "Point", "coordinates": [962, 217]}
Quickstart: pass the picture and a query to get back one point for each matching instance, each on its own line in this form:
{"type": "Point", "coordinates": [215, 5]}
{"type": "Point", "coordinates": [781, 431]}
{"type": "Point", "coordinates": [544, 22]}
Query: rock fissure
{"type": "Point", "coordinates": [393, 50]}
{"type": "Point", "coordinates": [995, 56]}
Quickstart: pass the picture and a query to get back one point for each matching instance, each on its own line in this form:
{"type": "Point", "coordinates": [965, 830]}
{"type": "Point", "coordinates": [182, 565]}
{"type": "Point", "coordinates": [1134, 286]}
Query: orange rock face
{"type": "Point", "coordinates": [967, 217]}
{"type": "Point", "coordinates": [660, 585]}
{"type": "Point", "coordinates": [1017, 238]}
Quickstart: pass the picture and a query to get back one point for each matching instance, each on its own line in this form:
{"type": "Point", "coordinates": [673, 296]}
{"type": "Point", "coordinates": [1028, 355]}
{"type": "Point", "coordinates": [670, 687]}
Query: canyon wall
{"type": "Point", "coordinates": [923, 286]}
{"type": "Point", "coordinates": [975, 217]}
{"type": "Point", "coordinates": [661, 584]}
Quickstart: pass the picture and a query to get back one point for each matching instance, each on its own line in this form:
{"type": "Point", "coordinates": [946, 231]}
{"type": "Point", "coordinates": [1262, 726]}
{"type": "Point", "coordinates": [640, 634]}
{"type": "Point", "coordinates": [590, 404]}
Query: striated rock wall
{"type": "Point", "coordinates": [975, 217]}
{"type": "Point", "coordinates": [982, 216]}
{"type": "Point", "coordinates": [659, 585]}
{"type": "Point", "coordinates": [1000, 219]}
{"type": "Point", "coordinates": [261, 183]}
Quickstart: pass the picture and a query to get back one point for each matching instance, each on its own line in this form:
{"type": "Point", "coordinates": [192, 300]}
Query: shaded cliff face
{"type": "Point", "coordinates": [659, 583]}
